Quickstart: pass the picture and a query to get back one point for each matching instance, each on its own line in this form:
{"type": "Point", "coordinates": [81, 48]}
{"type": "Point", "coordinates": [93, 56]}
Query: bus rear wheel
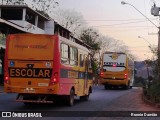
{"type": "Point", "coordinates": [106, 87]}
{"type": "Point", "coordinates": [126, 87]}
{"type": "Point", "coordinates": [70, 98]}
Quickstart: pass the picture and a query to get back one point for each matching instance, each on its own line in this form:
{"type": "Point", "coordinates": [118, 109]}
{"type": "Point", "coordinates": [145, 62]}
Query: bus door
{"type": "Point", "coordinates": [86, 75]}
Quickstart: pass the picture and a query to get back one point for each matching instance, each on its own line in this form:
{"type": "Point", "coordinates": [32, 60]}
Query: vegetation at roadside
{"type": "Point", "coordinates": [151, 89]}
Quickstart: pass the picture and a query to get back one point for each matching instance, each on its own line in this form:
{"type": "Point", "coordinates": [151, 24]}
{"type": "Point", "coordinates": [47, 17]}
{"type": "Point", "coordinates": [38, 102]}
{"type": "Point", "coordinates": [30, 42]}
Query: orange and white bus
{"type": "Point", "coordinates": [116, 70]}
{"type": "Point", "coordinates": [41, 68]}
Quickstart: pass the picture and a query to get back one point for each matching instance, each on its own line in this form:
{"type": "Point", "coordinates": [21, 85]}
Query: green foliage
{"type": "Point", "coordinates": [94, 65]}
{"type": "Point", "coordinates": [89, 36]}
{"type": "Point", "coordinates": [152, 93]}
{"type": "Point", "coordinates": [139, 81]}
{"type": "Point", "coordinates": [155, 90]}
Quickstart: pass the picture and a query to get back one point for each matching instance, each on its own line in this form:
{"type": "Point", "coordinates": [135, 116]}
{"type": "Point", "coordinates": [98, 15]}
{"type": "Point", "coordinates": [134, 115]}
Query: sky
{"type": "Point", "coordinates": [121, 22]}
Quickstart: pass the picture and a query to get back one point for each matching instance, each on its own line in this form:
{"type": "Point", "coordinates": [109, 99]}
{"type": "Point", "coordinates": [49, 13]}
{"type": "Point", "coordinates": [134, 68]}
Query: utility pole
{"type": "Point", "coordinates": [155, 11]}
{"type": "Point", "coordinates": [159, 55]}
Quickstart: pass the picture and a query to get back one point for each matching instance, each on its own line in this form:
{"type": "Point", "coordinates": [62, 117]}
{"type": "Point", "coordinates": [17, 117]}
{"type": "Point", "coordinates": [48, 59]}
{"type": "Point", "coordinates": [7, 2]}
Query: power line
{"type": "Point", "coordinates": [121, 23]}
{"type": "Point", "coordinates": [124, 30]}
{"type": "Point", "coordinates": [137, 47]}
{"type": "Point", "coordinates": [121, 20]}
{"type": "Point", "coordinates": [131, 26]}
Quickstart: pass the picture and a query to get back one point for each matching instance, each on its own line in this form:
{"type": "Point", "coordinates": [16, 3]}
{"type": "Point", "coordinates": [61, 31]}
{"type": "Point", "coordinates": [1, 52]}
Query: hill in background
{"type": "Point", "coordinates": [141, 69]}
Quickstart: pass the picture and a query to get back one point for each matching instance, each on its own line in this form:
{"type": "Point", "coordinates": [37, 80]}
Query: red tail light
{"type": "Point", "coordinates": [54, 79]}
{"type": "Point", "coordinates": [101, 74]}
{"type": "Point", "coordinates": [6, 79]}
{"type": "Point", "coordinates": [12, 37]}
{"type": "Point", "coordinates": [125, 76]}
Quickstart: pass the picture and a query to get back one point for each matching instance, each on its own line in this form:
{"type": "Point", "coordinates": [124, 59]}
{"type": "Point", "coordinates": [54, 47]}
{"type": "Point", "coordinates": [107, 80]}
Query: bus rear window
{"type": "Point", "coordinates": [31, 47]}
{"type": "Point", "coordinates": [112, 62]}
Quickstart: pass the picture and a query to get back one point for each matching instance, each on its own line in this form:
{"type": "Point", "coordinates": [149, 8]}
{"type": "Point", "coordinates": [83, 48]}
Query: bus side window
{"type": "Point", "coordinates": [64, 54]}
{"type": "Point", "coordinates": [73, 56]}
{"type": "Point", "coordinates": [81, 60]}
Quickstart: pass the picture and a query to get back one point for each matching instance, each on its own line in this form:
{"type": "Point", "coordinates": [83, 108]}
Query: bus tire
{"type": "Point", "coordinates": [70, 98]}
{"type": "Point", "coordinates": [106, 87]}
{"type": "Point", "coordinates": [126, 87]}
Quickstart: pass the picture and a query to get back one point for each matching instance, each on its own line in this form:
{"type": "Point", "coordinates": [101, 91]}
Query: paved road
{"type": "Point", "coordinates": [102, 103]}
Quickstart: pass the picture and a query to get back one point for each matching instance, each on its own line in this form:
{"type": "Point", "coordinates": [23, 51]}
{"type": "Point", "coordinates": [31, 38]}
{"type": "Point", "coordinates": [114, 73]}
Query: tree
{"type": "Point", "coordinates": [113, 45]}
{"type": "Point", "coordinates": [42, 6]}
{"type": "Point", "coordinates": [12, 2]}
{"type": "Point", "coordinates": [90, 37]}
{"type": "Point", "coordinates": [45, 7]}
{"type": "Point", "coordinates": [69, 19]}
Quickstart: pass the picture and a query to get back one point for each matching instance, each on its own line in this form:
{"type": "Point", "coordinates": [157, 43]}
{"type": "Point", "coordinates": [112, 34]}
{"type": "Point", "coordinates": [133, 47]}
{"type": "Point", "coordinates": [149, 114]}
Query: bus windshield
{"type": "Point", "coordinates": [28, 47]}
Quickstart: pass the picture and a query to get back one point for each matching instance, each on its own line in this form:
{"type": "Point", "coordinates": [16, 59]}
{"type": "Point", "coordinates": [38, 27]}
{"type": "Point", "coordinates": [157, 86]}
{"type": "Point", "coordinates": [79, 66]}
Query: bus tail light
{"type": "Point", "coordinates": [125, 75]}
{"type": "Point", "coordinates": [54, 79]}
{"type": "Point", "coordinates": [101, 74]}
{"type": "Point", "coordinates": [6, 79]}
{"type": "Point", "coordinates": [12, 37]}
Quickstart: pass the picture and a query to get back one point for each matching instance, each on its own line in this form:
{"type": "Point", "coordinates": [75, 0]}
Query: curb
{"type": "Point", "coordinates": [150, 103]}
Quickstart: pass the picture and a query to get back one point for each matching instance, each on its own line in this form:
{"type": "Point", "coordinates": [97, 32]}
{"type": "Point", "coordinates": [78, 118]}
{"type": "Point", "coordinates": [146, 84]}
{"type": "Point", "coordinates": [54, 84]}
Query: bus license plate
{"type": "Point", "coordinates": [29, 90]}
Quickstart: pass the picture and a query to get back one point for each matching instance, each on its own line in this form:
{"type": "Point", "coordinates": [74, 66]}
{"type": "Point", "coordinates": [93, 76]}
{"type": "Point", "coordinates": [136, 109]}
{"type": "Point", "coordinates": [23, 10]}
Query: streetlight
{"type": "Point", "coordinates": [123, 3]}
{"type": "Point", "coordinates": [145, 40]}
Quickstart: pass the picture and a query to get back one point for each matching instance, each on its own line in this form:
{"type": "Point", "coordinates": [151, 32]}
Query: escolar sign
{"type": "Point", "coordinates": [30, 73]}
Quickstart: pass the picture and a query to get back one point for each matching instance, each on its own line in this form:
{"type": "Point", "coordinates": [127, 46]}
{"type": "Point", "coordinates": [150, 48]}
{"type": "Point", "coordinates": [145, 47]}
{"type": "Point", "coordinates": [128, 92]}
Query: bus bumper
{"type": "Point", "coordinates": [114, 82]}
{"type": "Point", "coordinates": [31, 90]}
